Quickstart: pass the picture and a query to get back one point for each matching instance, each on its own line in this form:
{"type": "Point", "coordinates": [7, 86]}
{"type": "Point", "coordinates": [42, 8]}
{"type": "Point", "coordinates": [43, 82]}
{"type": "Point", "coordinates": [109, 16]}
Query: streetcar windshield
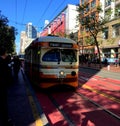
{"type": "Point", "coordinates": [52, 56]}
{"type": "Point", "coordinates": [57, 55]}
{"type": "Point", "coordinates": [68, 56]}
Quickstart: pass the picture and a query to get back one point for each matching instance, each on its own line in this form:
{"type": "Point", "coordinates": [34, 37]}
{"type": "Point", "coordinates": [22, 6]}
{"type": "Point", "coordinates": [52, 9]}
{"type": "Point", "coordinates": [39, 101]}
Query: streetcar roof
{"type": "Point", "coordinates": [53, 39]}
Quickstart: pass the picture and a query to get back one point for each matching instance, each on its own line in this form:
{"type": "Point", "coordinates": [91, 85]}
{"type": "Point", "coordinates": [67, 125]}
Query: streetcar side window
{"type": "Point", "coordinates": [51, 56]}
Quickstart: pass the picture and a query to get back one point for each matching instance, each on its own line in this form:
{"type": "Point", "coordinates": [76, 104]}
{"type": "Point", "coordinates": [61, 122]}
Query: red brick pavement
{"type": "Point", "coordinates": [111, 67]}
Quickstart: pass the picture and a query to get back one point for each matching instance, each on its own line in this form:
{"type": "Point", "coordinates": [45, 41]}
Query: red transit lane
{"type": "Point", "coordinates": [81, 111]}
{"type": "Point", "coordinates": [96, 102]}
{"type": "Point", "coordinates": [104, 91]}
{"type": "Point", "coordinates": [55, 118]}
{"type": "Point", "coordinates": [84, 112]}
{"type": "Point", "coordinates": [106, 85]}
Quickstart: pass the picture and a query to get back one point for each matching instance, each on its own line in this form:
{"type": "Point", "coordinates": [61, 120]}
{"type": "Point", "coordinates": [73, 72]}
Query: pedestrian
{"type": "Point", "coordinates": [16, 65]}
{"type": "Point", "coordinates": [106, 62]}
{"type": "Point", "coordinates": [9, 63]}
{"type": "Point", "coordinates": [116, 62]}
{"type": "Point", "coordinates": [4, 80]}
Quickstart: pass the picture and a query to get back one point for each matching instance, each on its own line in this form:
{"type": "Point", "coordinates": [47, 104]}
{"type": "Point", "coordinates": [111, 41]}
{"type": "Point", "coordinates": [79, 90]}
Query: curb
{"type": "Point", "coordinates": [36, 105]}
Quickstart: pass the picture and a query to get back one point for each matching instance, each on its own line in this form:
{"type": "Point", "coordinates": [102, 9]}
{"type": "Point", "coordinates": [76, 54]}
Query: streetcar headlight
{"type": "Point", "coordinates": [61, 72]}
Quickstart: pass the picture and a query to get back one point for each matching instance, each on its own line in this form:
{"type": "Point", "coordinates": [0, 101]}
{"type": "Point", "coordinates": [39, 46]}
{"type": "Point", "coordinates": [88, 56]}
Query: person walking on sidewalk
{"type": "Point", "coordinates": [16, 65]}
{"type": "Point", "coordinates": [9, 63]}
{"type": "Point", "coordinates": [116, 62]}
{"type": "Point", "coordinates": [4, 80]}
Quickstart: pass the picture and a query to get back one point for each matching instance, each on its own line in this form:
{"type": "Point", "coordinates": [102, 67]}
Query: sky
{"type": "Point", "coordinates": [21, 12]}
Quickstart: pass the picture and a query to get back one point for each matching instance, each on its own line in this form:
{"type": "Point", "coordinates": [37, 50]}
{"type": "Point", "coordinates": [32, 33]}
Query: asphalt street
{"type": "Point", "coordinates": [102, 73]}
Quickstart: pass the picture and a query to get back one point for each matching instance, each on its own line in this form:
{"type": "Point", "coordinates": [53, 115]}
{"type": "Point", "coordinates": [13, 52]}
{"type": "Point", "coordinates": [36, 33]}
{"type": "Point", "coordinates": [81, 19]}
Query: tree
{"type": "Point", "coordinates": [91, 22]}
{"type": "Point", "coordinates": [7, 34]}
{"type": "Point", "coordinates": [74, 36]}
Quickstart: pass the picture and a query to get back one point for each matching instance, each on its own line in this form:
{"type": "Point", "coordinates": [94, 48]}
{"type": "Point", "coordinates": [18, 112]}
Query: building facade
{"type": "Point", "coordinates": [109, 39]}
{"type": "Point", "coordinates": [31, 31]}
{"type": "Point", "coordinates": [27, 37]}
{"type": "Point", "coordinates": [22, 41]}
{"type": "Point", "coordinates": [64, 23]}
{"type": "Point", "coordinates": [83, 34]}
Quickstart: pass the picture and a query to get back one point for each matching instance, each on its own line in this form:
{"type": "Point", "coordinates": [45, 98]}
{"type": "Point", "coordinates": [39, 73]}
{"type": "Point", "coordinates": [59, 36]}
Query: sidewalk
{"type": "Point", "coordinates": [20, 110]}
{"type": "Point", "coordinates": [24, 109]}
{"type": "Point", "coordinates": [111, 68]}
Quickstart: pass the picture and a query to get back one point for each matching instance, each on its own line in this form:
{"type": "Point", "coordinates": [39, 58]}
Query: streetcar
{"type": "Point", "coordinates": [52, 60]}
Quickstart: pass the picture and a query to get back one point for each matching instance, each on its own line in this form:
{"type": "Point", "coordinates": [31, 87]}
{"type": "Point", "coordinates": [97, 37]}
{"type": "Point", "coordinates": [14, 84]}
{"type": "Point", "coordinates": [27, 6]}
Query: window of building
{"type": "Point", "coordinates": [81, 29]}
{"type": "Point", "coordinates": [116, 30]}
{"type": "Point", "coordinates": [86, 0]}
{"type": "Point", "coordinates": [93, 3]}
{"type": "Point", "coordinates": [108, 13]}
{"type": "Point", "coordinates": [86, 29]}
{"type": "Point", "coordinates": [107, 2]}
{"type": "Point", "coordinates": [105, 33]}
{"type": "Point", "coordinates": [93, 15]}
{"type": "Point", "coordinates": [87, 8]}
{"type": "Point", "coordinates": [82, 1]}
{"type": "Point", "coordinates": [117, 11]}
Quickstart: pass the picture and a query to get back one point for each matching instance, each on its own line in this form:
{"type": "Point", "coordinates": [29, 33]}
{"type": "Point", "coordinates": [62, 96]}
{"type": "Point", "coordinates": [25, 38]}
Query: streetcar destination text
{"type": "Point", "coordinates": [65, 45]}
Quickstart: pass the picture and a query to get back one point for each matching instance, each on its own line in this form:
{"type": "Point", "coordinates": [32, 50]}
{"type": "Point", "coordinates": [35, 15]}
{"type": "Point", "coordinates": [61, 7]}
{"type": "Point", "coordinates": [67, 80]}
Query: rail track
{"type": "Point", "coordinates": [60, 106]}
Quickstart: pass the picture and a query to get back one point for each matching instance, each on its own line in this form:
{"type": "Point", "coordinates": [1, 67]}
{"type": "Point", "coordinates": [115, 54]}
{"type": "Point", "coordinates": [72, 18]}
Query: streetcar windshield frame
{"type": "Point", "coordinates": [57, 55]}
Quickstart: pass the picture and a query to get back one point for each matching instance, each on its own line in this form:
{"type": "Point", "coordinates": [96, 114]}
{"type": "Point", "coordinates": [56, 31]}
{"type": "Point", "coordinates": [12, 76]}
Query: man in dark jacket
{"type": "Point", "coordinates": [16, 65]}
{"type": "Point", "coordinates": [3, 88]}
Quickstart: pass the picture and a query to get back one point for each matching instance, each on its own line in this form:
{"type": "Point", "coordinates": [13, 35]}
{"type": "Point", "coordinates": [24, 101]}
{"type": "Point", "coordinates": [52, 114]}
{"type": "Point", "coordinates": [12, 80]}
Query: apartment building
{"type": "Point", "coordinates": [109, 39]}
{"type": "Point", "coordinates": [27, 36]}
{"type": "Point", "coordinates": [83, 33]}
{"type": "Point", "coordinates": [31, 31]}
{"type": "Point", "coordinates": [64, 23]}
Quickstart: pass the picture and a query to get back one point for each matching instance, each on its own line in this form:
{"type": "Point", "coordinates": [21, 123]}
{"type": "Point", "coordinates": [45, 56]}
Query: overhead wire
{"type": "Point", "coordinates": [23, 24]}
{"type": "Point", "coordinates": [42, 16]}
{"type": "Point", "coordinates": [24, 11]}
{"type": "Point", "coordinates": [44, 12]}
{"type": "Point", "coordinates": [16, 11]}
{"type": "Point", "coordinates": [57, 9]}
{"type": "Point", "coordinates": [16, 22]}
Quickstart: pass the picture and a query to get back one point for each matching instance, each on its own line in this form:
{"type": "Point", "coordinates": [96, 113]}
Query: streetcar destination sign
{"type": "Point", "coordinates": [64, 45]}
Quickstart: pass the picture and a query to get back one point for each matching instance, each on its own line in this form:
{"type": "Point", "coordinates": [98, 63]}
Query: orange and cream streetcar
{"type": "Point", "coordinates": [52, 60]}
